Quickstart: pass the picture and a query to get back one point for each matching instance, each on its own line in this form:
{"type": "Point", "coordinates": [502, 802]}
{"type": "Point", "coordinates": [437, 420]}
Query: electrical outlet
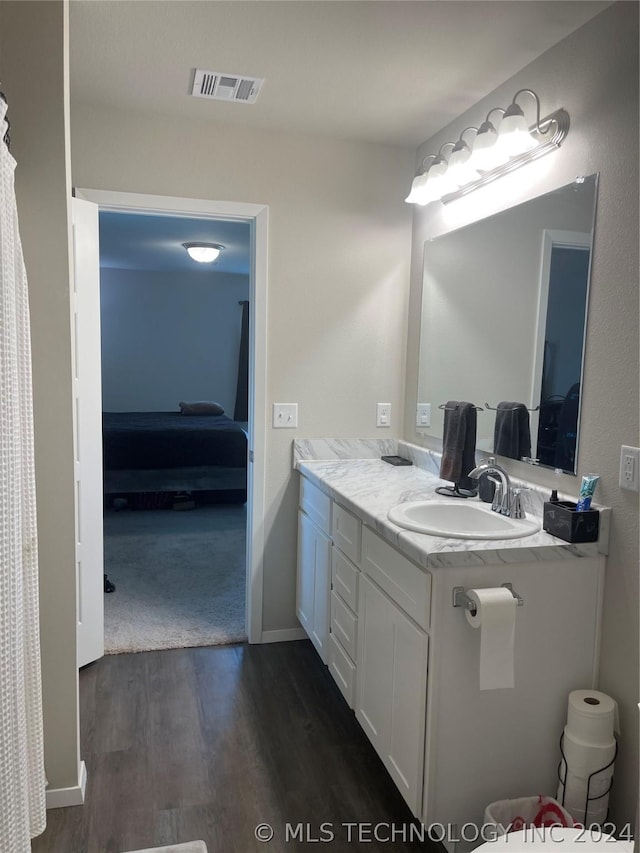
{"type": "Point", "coordinates": [423, 415]}
{"type": "Point", "coordinates": [383, 415]}
{"type": "Point", "coordinates": [629, 462]}
{"type": "Point", "coordinates": [285, 415]}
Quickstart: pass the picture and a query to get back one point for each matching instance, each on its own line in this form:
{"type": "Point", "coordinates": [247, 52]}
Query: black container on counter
{"type": "Point", "coordinates": [561, 519]}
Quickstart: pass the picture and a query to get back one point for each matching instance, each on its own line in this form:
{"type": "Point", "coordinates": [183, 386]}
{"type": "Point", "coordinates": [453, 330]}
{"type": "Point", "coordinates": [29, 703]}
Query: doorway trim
{"type": "Point", "coordinates": [552, 238]}
{"type": "Point", "coordinates": [257, 215]}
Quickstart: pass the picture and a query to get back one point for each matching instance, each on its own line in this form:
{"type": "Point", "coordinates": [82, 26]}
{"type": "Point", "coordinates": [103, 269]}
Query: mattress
{"type": "Point", "coordinates": [148, 440]}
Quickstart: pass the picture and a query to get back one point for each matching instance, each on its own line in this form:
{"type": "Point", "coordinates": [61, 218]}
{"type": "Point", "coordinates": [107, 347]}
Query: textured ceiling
{"type": "Point", "coordinates": [384, 71]}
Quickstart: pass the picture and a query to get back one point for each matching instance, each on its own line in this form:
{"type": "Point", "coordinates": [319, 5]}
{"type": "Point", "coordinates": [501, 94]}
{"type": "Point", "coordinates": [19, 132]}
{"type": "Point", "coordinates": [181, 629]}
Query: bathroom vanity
{"type": "Point", "coordinates": [377, 601]}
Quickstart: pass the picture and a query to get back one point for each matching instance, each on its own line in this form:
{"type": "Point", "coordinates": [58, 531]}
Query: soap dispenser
{"type": "Point", "coordinates": [487, 488]}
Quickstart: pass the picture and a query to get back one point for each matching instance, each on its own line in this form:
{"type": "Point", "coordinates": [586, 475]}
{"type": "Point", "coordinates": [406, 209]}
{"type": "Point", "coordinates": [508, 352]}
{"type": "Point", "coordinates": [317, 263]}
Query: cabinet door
{"type": "Point", "coordinates": [313, 583]}
{"type": "Point", "coordinates": [391, 688]}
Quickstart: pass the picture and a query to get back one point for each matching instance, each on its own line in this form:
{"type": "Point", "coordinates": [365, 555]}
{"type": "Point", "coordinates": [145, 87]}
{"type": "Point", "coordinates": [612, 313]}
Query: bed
{"type": "Point", "coordinates": [173, 452]}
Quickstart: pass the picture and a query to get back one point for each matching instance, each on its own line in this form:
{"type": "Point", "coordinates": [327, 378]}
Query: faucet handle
{"type": "Point", "coordinates": [517, 510]}
{"type": "Point", "coordinates": [496, 504]}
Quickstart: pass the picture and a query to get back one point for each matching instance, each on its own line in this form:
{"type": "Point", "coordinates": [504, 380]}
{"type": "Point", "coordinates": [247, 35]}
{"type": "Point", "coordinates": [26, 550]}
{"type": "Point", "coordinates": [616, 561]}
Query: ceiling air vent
{"type": "Point", "coordinates": [226, 87]}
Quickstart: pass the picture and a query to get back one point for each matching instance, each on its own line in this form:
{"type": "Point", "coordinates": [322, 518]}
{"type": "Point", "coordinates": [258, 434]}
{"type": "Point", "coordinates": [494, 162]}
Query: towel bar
{"type": "Point", "coordinates": [444, 408]}
{"type": "Point", "coordinates": [495, 408]}
{"type": "Point", "coordinates": [461, 599]}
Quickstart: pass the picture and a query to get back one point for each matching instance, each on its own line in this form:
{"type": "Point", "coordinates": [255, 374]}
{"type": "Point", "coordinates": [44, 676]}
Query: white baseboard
{"type": "Point", "coordinates": [285, 635]}
{"type": "Point", "coordinates": [60, 798]}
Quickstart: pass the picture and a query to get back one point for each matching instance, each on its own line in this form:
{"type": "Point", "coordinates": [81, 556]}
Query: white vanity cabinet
{"type": "Point", "coordinates": [408, 661]}
{"type": "Point", "coordinates": [346, 533]}
{"type": "Point", "coordinates": [313, 585]}
{"type": "Point", "coordinates": [366, 609]}
{"type": "Point", "coordinates": [391, 688]}
{"type": "Point", "coordinates": [329, 547]}
{"type": "Point", "coordinates": [393, 615]}
{"type": "Point", "coordinates": [487, 745]}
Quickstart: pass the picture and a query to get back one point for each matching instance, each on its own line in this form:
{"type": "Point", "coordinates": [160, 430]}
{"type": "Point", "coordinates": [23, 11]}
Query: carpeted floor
{"type": "Point", "coordinates": [179, 576]}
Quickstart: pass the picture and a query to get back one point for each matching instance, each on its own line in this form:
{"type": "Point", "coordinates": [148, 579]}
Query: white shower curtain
{"type": "Point", "coordinates": [22, 780]}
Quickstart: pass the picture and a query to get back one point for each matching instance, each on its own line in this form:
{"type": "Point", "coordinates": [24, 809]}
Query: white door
{"type": "Point", "coordinates": [87, 395]}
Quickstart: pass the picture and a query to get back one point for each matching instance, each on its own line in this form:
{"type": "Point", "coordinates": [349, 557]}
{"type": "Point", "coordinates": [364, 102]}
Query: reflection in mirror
{"type": "Point", "coordinates": [504, 312]}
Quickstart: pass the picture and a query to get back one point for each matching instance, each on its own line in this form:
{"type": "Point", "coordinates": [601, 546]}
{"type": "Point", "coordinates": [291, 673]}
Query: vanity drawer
{"type": "Point", "coordinates": [315, 504]}
{"type": "Point", "coordinates": [344, 578]}
{"type": "Point", "coordinates": [404, 582]}
{"type": "Point", "coordinates": [343, 670]}
{"type": "Point", "coordinates": [347, 533]}
{"type": "Point", "coordinates": [344, 624]}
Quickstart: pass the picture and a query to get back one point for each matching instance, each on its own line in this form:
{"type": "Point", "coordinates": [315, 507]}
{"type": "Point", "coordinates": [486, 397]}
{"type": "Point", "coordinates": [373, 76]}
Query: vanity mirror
{"type": "Point", "coordinates": [504, 311]}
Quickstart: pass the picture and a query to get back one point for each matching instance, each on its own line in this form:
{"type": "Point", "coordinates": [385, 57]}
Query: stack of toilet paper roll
{"type": "Point", "coordinates": [588, 746]}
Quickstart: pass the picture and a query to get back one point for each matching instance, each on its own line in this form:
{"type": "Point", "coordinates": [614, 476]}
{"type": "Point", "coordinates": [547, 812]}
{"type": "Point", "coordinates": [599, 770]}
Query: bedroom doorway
{"type": "Point", "coordinates": [192, 512]}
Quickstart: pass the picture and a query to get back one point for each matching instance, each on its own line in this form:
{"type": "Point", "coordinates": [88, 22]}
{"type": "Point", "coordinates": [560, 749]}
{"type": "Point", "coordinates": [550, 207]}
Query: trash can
{"type": "Point", "coordinates": [506, 816]}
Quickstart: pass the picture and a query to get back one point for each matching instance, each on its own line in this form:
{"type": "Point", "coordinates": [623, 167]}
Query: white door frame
{"type": "Point", "coordinates": [551, 239]}
{"type": "Point", "coordinates": [257, 215]}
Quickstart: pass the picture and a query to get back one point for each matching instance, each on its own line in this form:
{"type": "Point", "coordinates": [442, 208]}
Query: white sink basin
{"type": "Point", "coordinates": [460, 519]}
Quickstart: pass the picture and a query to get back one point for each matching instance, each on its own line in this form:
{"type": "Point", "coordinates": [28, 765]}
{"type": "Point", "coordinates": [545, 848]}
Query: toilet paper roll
{"type": "Point", "coordinates": [585, 758]}
{"type": "Point", "coordinates": [587, 800]}
{"type": "Point", "coordinates": [495, 616]}
{"type": "Point", "coordinates": [575, 801]}
{"type": "Point", "coordinates": [575, 794]}
{"type": "Point", "coordinates": [591, 716]}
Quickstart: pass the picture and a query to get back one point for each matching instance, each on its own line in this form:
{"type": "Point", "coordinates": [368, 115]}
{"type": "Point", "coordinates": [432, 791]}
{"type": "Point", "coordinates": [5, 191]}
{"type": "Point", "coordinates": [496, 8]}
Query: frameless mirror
{"type": "Point", "coordinates": [504, 312]}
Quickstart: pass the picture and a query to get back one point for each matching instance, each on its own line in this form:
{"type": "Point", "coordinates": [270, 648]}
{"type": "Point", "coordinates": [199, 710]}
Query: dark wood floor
{"type": "Point", "coordinates": [209, 743]}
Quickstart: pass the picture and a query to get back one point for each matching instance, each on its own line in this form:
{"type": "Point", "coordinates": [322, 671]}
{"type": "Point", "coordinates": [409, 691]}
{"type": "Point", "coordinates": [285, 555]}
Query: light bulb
{"type": "Point", "coordinates": [459, 171]}
{"type": "Point", "coordinates": [486, 154]}
{"type": "Point", "coordinates": [203, 253]}
{"type": "Point", "coordinates": [438, 181]}
{"type": "Point", "coordinates": [417, 191]}
{"type": "Point", "coordinates": [514, 137]}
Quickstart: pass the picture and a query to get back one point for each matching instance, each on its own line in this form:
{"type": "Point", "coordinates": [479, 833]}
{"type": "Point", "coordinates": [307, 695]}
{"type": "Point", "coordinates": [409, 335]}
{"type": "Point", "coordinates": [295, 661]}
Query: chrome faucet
{"type": "Point", "coordinates": [506, 500]}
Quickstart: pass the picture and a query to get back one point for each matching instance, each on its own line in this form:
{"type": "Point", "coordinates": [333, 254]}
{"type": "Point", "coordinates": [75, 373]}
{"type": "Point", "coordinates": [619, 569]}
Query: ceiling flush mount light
{"type": "Point", "coordinates": [494, 152]}
{"type": "Point", "coordinates": [203, 253]}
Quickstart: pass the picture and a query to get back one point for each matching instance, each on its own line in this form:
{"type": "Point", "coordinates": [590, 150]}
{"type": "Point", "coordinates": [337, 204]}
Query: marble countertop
{"type": "Point", "coordinates": [370, 487]}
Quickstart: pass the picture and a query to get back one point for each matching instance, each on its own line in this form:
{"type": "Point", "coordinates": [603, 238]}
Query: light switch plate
{"type": "Point", "coordinates": [285, 415]}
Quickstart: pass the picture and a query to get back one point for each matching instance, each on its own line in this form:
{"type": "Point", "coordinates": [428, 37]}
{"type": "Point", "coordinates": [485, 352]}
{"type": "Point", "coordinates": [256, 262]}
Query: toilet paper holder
{"type": "Point", "coordinates": [461, 599]}
{"type": "Point", "coordinates": [588, 799]}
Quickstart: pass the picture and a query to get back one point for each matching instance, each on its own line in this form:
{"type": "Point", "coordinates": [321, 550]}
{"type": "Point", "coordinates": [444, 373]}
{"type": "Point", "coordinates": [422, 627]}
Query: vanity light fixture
{"type": "Point", "coordinates": [417, 193]}
{"type": "Point", "coordinates": [203, 253]}
{"type": "Point", "coordinates": [459, 169]}
{"type": "Point", "coordinates": [487, 153]}
{"type": "Point", "coordinates": [494, 152]}
{"type": "Point", "coordinates": [433, 181]}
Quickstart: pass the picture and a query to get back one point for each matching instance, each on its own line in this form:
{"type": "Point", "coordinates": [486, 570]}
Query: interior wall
{"type": "Point", "coordinates": [339, 234]}
{"type": "Point", "coordinates": [34, 73]}
{"type": "Point", "coordinates": [169, 336]}
{"type": "Point", "coordinates": [593, 74]}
